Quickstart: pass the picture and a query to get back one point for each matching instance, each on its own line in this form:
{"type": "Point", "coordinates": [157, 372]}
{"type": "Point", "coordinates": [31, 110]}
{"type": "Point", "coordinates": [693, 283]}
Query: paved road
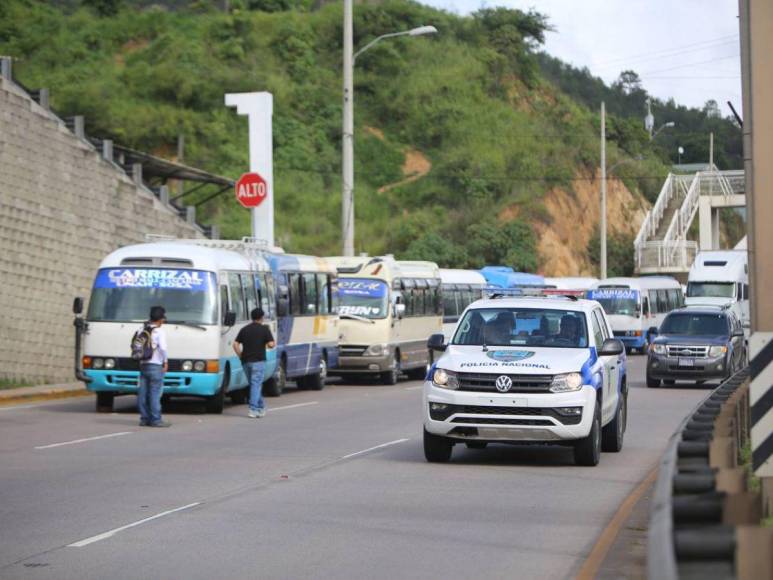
{"type": "Point", "coordinates": [328, 484]}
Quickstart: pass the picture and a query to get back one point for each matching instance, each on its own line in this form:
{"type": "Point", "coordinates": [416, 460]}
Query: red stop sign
{"type": "Point", "coordinates": [251, 190]}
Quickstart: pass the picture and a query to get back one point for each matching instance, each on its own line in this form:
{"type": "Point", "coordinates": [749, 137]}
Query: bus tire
{"type": "Point", "coordinates": [275, 386]}
{"type": "Point", "coordinates": [317, 382]}
{"type": "Point", "coordinates": [391, 376]}
{"type": "Point", "coordinates": [216, 403]}
{"type": "Point", "coordinates": [105, 402]}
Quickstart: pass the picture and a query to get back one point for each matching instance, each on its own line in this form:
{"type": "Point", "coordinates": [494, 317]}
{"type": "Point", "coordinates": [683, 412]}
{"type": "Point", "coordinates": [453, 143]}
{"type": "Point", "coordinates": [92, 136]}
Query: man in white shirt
{"type": "Point", "coordinates": [152, 373]}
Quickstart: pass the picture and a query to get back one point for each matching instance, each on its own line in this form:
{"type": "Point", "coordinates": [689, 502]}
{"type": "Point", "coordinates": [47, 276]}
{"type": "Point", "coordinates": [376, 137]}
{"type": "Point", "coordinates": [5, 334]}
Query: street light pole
{"type": "Point", "coordinates": [347, 146]}
{"type": "Point", "coordinates": [347, 177]}
{"type": "Point", "coordinates": [603, 220]}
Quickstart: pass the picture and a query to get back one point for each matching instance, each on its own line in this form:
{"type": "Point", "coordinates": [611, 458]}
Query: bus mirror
{"type": "Point", "coordinates": [230, 318]}
{"type": "Point", "coordinates": [436, 342]}
{"type": "Point", "coordinates": [399, 310]}
{"type": "Point", "coordinates": [77, 305]}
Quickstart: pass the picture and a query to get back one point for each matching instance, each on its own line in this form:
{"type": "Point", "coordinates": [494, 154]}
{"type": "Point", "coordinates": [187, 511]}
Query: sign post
{"type": "Point", "coordinates": [259, 108]}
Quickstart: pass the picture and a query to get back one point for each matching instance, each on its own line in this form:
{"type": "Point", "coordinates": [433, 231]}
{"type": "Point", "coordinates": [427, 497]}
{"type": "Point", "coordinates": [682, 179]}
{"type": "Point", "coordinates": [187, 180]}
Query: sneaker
{"type": "Point", "coordinates": [252, 414]}
{"type": "Point", "coordinates": [260, 413]}
{"type": "Point", "coordinates": [160, 424]}
{"type": "Point", "coordinates": [143, 423]}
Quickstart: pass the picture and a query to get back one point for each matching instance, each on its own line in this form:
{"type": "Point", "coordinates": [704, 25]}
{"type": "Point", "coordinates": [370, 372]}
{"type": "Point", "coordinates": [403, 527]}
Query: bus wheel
{"type": "Point", "coordinates": [276, 385]}
{"type": "Point", "coordinates": [216, 403]}
{"type": "Point", "coordinates": [105, 402]}
{"type": "Point", "coordinates": [317, 382]}
{"type": "Point", "coordinates": [391, 376]}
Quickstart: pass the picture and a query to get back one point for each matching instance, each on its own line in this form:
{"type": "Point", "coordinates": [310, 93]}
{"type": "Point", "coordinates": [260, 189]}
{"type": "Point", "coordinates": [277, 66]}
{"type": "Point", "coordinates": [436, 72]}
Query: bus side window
{"type": "Point", "coordinates": [296, 298]}
{"type": "Point", "coordinates": [333, 294]}
{"type": "Point", "coordinates": [248, 287]}
{"type": "Point", "coordinates": [223, 302]}
{"type": "Point", "coordinates": [323, 287]}
{"type": "Point", "coordinates": [310, 294]}
{"type": "Point", "coordinates": [237, 296]}
{"type": "Point", "coordinates": [449, 301]}
{"type": "Point", "coordinates": [269, 291]}
{"type": "Point", "coordinates": [645, 306]}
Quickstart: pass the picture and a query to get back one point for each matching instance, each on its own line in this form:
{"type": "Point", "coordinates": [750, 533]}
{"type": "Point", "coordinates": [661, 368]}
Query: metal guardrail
{"type": "Point", "coordinates": [666, 255]}
{"type": "Point", "coordinates": [686, 536]}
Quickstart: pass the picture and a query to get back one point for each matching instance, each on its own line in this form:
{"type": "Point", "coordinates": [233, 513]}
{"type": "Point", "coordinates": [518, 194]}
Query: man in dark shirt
{"type": "Point", "coordinates": [250, 346]}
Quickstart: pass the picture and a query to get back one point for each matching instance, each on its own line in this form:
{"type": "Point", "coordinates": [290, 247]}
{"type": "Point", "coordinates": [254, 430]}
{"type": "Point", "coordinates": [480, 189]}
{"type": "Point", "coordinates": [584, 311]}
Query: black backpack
{"type": "Point", "coordinates": [142, 344]}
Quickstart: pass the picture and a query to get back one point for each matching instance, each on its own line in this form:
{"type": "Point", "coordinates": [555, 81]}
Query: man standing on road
{"type": "Point", "coordinates": [250, 346]}
{"type": "Point", "coordinates": [152, 373]}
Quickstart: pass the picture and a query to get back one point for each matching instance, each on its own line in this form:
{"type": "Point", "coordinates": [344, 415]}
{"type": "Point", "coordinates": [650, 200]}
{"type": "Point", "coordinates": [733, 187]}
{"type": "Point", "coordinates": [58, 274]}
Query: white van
{"type": "Point", "coordinates": [721, 278]}
{"type": "Point", "coordinates": [634, 305]}
{"type": "Point", "coordinates": [388, 310]}
{"type": "Point", "coordinates": [459, 288]}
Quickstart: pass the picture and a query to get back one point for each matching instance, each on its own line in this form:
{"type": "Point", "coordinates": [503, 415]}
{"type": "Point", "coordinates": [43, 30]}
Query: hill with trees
{"type": "Point", "coordinates": [464, 140]}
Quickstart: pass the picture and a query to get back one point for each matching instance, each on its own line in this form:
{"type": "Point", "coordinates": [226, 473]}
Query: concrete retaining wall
{"type": "Point", "coordinates": [62, 209]}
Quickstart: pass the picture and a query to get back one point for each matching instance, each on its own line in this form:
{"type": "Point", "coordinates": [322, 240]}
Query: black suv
{"type": "Point", "coordinates": [696, 343]}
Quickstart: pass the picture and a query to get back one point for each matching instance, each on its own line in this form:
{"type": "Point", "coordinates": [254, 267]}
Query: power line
{"type": "Point", "coordinates": [713, 60]}
{"type": "Point", "coordinates": [665, 52]}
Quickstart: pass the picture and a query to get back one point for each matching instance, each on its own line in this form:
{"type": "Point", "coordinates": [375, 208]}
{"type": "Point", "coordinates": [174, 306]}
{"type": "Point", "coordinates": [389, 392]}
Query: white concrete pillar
{"type": "Point", "coordinates": [705, 223]}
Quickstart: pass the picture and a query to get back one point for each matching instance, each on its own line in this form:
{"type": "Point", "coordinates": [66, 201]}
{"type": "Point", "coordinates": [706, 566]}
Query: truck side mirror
{"type": "Point", "coordinates": [77, 305]}
{"type": "Point", "coordinates": [229, 319]}
{"type": "Point", "coordinates": [436, 342]}
{"type": "Point", "coordinates": [612, 347]}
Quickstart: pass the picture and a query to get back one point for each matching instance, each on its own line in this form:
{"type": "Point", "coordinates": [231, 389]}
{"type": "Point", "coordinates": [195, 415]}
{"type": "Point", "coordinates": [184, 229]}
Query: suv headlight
{"type": "Point", "coordinates": [376, 350]}
{"type": "Point", "coordinates": [566, 383]}
{"type": "Point", "coordinates": [445, 379]}
{"type": "Point", "coordinates": [716, 351]}
{"type": "Point", "coordinates": [659, 348]}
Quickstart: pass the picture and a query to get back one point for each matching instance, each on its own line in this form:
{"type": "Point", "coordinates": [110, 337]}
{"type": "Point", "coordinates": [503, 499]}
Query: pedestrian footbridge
{"type": "Point", "coordinates": [662, 245]}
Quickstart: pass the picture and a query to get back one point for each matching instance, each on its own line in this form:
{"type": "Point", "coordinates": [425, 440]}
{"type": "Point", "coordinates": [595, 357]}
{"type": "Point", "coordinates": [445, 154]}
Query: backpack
{"type": "Point", "coordinates": [142, 344]}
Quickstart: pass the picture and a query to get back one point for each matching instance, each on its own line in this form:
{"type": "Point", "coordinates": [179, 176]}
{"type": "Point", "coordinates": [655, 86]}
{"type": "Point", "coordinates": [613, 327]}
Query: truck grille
{"type": "Point", "coordinates": [450, 410]}
{"type": "Point", "coordinates": [692, 351]}
{"type": "Point", "coordinates": [351, 350]}
{"type": "Point", "coordinates": [486, 382]}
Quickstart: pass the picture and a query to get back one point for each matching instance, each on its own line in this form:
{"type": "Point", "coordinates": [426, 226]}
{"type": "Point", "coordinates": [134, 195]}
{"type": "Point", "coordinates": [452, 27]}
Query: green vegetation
{"type": "Point", "coordinates": [498, 124]}
{"type": "Point", "coordinates": [619, 253]}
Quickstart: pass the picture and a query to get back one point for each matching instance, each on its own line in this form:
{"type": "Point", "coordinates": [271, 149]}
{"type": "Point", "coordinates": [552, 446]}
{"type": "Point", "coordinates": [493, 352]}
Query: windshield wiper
{"type": "Point", "coordinates": [357, 317]}
{"type": "Point", "coordinates": [183, 323]}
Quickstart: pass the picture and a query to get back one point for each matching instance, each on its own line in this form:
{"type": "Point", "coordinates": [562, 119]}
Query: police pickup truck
{"type": "Point", "coordinates": [541, 369]}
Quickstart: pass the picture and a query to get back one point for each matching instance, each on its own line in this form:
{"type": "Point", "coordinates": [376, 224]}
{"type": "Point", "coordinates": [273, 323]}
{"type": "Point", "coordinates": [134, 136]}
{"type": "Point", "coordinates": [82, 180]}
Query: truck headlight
{"type": "Point", "coordinates": [566, 383]}
{"type": "Point", "coordinates": [716, 351]}
{"type": "Point", "coordinates": [187, 366]}
{"type": "Point", "coordinates": [376, 350]}
{"type": "Point", "coordinates": [659, 348]}
{"type": "Point", "coordinates": [98, 363]}
{"type": "Point", "coordinates": [109, 363]}
{"type": "Point", "coordinates": [445, 379]}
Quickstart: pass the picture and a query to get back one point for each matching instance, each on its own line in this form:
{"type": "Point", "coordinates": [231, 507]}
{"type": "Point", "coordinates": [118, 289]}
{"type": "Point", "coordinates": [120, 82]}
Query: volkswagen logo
{"type": "Point", "coordinates": [504, 383]}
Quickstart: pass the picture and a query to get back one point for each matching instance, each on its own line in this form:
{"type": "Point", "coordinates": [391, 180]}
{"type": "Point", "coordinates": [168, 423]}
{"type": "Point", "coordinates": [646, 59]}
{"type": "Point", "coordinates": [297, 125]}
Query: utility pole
{"type": "Point", "coordinates": [603, 219]}
{"type": "Point", "coordinates": [347, 178]}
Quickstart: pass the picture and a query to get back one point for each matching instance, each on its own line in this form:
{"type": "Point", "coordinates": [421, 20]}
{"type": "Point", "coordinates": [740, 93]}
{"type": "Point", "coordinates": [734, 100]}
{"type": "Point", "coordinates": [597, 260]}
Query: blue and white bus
{"type": "Point", "coordinates": [208, 289]}
{"type": "Point", "coordinates": [307, 335]}
{"type": "Point", "coordinates": [634, 305]}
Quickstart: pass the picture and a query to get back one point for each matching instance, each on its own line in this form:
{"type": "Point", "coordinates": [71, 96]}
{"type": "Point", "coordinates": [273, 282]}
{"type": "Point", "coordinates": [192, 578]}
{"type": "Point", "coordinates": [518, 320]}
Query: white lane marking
{"type": "Point", "coordinates": [292, 406]}
{"type": "Point", "coordinates": [74, 441]}
{"type": "Point", "coordinates": [13, 408]}
{"type": "Point", "coordinates": [413, 388]}
{"type": "Point", "coordinates": [355, 454]}
{"type": "Point", "coordinates": [111, 533]}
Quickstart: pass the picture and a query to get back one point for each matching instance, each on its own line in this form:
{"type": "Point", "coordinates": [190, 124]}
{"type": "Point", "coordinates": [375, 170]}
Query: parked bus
{"type": "Point", "coordinates": [307, 320]}
{"type": "Point", "coordinates": [459, 289]}
{"type": "Point", "coordinates": [388, 310]}
{"type": "Point", "coordinates": [633, 305]}
{"type": "Point", "coordinates": [721, 278]}
{"type": "Point", "coordinates": [501, 279]}
{"type": "Point", "coordinates": [571, 283]}
{"type": "Point", "coordinates": [207, 292]}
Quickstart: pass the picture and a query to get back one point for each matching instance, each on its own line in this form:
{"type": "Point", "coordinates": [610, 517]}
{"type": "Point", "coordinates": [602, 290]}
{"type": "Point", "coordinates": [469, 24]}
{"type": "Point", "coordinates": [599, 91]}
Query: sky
{"type": "Point", "coordinates": [685, 49]}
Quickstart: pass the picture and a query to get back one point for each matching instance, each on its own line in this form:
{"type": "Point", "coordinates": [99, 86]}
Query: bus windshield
{"type": "Point", "coordinates": [362, 297]}
{"type": "Point", "coordinates": [127, 294]}
{"type": "Point", "coordinates": [522, 326]}
{"type": "Point", "coordinates": [620, 301]}
{"type": "Point", "coordinates": [710, 289]}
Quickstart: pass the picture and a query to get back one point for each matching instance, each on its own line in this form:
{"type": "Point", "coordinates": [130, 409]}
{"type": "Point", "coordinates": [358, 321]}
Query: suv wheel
{"type": "Point", "coordinates": [652, 383]}
{"type": "Point", "coordinates": [587, 451]}
{"type": "Point", "coordinates": [437, 449]}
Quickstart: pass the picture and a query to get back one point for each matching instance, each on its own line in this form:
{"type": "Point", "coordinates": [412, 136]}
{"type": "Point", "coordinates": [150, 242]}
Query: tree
{"type": "Point", "coordinates": [711, 109]}
{"type": "Point", "coordinates": [104, 7]}
{"type": "Point", "coordinates": [435, 248]}
{"type": "Point", "coordinates": [619, 253]}
{"type": "Point", "coordinates": [512, 244]}
{"type": "Point", "coordinates": [628, 82]}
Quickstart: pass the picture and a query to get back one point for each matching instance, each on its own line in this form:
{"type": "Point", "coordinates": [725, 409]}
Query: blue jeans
{"type": "Point", "coordinates": [255, 372]}
{"type": "Point", "coordinates": [149, 394]}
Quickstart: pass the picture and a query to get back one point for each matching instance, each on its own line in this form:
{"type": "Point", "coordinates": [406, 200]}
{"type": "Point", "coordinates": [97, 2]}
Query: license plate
{"type": "Point", "coordinates": [502, 401]}
{"type": "Point", "coordinates": [686, 362]}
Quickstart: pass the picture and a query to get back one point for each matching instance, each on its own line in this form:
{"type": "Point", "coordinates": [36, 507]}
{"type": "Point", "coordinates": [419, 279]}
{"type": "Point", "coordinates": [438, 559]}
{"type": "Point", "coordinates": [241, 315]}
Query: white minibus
{"type": "Point", "coordinates": [459, 289]}
{"type": "Point", "coordinates": [634, 305]}
{"type": "Point", "coordinates": [388, 310]}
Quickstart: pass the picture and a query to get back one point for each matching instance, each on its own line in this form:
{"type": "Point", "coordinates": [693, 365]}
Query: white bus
{"type": "Point", "coordinates": [459, 289]}
{"type": "Point", "coordinates": [207, 292]}
{"type": "Point", "coordinates": [388, 310]}
{"type": "Point", "coordinates": [634, 305]}
{"type": "Point", "coordinates": [721, 278]}
{"type": "Point", "coordinates": [571, 283]}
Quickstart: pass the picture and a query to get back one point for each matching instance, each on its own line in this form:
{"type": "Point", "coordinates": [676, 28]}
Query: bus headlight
{"type": "Point", "coordinates": [566, 383]}
{"type": "Point", "coordinates": [187, 366]}
{"type": "Point", "coordinates": [98, 363]}
{"type": "Point", "coordinates": [716, 351]}
{"type": "Point", "coordinates": [376, 350]}
{"type": "Point", "coordinates": [109, 363]}
{"type": "Point", "coordinates": [445, 379]}
{"type": "Point", "coordinates": [199, 366]}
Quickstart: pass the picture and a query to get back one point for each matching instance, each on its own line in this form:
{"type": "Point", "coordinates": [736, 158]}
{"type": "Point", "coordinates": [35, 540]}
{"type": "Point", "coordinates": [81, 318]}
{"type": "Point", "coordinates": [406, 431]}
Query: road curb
{"type": "Point", "coordinates": [53, 394]}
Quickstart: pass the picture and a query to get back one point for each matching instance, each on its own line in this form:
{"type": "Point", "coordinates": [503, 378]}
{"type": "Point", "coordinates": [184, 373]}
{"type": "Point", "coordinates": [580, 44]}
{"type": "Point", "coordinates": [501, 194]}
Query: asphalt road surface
{"type": "Point", "coordinates": [329, 484]}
